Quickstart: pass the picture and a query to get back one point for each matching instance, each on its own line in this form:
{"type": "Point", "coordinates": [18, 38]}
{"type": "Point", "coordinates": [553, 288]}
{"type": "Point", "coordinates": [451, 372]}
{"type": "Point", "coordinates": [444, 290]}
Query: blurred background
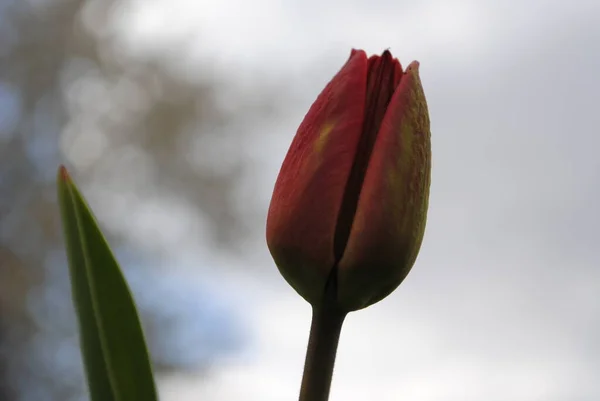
{"type": "Point", "coordinates": [174, 117]}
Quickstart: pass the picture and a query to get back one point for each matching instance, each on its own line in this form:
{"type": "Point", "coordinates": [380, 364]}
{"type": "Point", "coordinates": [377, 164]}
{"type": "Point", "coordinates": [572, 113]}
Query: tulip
{"type": "Point", "coordinates": [349, 207]}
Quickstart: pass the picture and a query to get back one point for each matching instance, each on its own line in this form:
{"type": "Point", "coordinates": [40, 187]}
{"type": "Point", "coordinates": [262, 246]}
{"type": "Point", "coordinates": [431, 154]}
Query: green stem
{"type": "Point", "coordinates": [325, 332]}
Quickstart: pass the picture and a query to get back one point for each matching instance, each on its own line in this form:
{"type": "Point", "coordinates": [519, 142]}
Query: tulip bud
{"type": "Point", "coordinates": [350, 203]}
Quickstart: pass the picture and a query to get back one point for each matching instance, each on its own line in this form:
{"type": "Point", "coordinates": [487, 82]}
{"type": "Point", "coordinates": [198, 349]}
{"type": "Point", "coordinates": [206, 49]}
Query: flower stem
{"type": "Point", "coordinates": [325, 332]}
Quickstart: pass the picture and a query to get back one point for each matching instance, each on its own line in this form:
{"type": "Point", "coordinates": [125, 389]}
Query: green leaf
{"type": "Point", "coordinates": [114, 351]}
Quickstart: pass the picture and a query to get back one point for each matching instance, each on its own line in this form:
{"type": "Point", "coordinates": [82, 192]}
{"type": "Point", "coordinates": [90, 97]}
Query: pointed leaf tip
{"type": "Point", "coordinates": [63, 174]}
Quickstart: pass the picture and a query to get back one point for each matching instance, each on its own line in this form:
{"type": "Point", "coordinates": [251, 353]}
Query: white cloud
{"type": "Point", "coordinates": [483, 314]}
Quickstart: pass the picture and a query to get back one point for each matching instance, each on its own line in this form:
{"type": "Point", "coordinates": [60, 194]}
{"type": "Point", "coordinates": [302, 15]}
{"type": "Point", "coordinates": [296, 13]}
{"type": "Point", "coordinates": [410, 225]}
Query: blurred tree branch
{"type": "Point", "coordinates": [130, 126]}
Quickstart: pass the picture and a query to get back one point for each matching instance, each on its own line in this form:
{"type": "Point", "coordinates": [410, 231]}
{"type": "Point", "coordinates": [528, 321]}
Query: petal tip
{"type": "Point", "coordinates": [414, 66]}
{"type": "Point", "coordinates": [357, 53]}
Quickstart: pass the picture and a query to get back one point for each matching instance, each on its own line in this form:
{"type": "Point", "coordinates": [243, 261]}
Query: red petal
{"type": "Point", "coordinates": [381, 77]}
{"type": "Point", "coordinates": [390, 220]}
{"type": "Point", "coordinates": [310, 186]}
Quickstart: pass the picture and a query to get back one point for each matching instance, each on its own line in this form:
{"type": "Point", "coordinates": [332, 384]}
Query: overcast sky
{"type": "Point", "coordinates": [504, 300]}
